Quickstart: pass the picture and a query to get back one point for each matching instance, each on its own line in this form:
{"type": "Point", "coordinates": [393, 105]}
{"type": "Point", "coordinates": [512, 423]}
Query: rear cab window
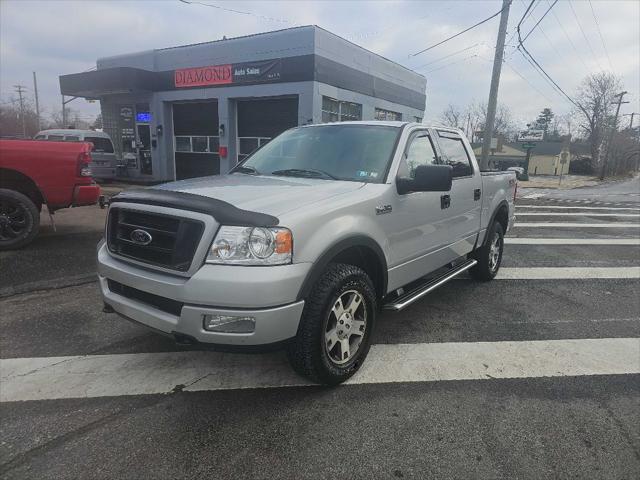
{"type": "Point", "coordinates": [454, 153]}
{"type": "Point", "coordinates": [100, 144]}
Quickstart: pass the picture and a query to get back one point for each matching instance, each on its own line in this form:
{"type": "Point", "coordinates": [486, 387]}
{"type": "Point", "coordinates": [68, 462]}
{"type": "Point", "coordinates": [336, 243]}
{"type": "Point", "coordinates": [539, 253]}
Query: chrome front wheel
{"type": "Point", "coordinates": [495, 251]}
{"type": "Point", "coordinates": [346, 327]}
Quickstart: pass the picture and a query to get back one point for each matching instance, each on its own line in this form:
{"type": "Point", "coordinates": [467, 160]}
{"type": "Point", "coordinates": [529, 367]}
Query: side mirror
{"type": "Point", "coordinates": [427, 178]}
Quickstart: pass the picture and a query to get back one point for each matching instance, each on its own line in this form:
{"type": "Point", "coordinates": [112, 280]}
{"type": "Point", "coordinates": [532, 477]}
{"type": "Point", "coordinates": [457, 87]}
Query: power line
{"type": "Point", "coordinates": [593, 12]}
{"type": "Point", "coordinates": [447, 56]}
{"type": "Point", "coordinates": [527, 80]}
{"type": "Point", "coordinates": [578, 54]}
{"type": "Point", "coordinates": [450, 63]}
{"type": "Point", "coordinates": [458, 34]}
{"type": "Point", "coordinates": [595, 57]}
{"type": "Point", "coordinates": [538, 23]}
{"type": "Point", "coordinates": [525, 53]}
{"type": "Point", "coordinates": [240, 12]}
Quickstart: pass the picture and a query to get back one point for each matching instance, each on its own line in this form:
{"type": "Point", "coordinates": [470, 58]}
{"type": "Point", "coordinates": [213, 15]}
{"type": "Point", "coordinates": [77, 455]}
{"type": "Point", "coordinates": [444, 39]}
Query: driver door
{"type": "Point", "coordinates": [416, 229]}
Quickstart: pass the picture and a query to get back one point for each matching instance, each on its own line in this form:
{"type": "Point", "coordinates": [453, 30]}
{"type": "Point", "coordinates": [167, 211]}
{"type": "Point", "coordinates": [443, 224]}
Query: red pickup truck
{"type": "Point", "coordinates": [32, 174]}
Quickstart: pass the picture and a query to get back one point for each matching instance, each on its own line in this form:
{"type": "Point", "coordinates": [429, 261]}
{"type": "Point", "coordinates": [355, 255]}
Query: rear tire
{"type": "Point", "coordinates": [489, 256]}
{"type": "Point", "coordinates": [19, 220]}
{"type": "Point", "coordinates": [334, 335]}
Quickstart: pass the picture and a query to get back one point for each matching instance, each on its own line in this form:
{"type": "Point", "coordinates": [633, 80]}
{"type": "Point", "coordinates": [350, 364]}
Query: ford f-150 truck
{"type": "Point", "coordinates": [32, 174]}
{"type": "Point", "coordinates": [306, 240]}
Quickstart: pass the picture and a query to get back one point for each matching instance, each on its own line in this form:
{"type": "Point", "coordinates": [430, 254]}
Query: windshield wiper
{"type": "Point", "coordinates": [304, 172]}
{"type": "Point", "coordinates": [246, 169]}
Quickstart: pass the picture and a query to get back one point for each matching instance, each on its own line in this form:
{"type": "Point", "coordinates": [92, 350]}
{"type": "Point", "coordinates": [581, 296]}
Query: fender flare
{"type": "Point", "coordinates": [330, 253]}
{"type": "Point", "coordinates": [503, 203]}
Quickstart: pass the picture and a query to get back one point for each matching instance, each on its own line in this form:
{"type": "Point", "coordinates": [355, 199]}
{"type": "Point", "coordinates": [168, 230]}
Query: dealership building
{"type": "Point", "coordinates": [198, 109]}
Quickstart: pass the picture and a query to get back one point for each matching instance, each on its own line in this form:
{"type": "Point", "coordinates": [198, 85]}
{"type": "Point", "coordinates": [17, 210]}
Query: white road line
{"type": "Point", "coordinates": [566, 273]}
{"type": "Point", "coordinates": [576, 225]}
{"type": "Point", "coordinates": [568, 207]}
{"type": "Point", "coordinates": [157, 373]}
{"type": "Point", "coordinates": [574, 214]}
{"type": "Point", "coordinates": [571, 241]}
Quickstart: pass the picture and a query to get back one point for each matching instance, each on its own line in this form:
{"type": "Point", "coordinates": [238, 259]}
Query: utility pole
{"type": "Point", "coordinates": [495, 82]}
{"type": "Point", "coordinates": [64, 113]}
{"type": "Point", "coordinates": [630, 121]}
{"type": "Point", "coordinates": [35, 90]}
{"type": "Point", "coordinates": [614, 128]}
{"type": "Point", "coordinates": [20, 90]}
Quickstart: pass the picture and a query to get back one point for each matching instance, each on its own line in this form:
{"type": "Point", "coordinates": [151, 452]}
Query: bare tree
{"type": "Point", "coordinates": [595, 108]}
{"type": "Point", "coordinates": [11, 118]}
{"type": "Point", "coordinates": [452, 115]}
{"type": "Point", "coordinates": [503, 123]}
{"type": "Point", "coordinates": [472, 118]}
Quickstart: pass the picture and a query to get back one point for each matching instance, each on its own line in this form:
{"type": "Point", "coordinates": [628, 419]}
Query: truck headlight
{"type": "Point", "coordinates": [251, 246]}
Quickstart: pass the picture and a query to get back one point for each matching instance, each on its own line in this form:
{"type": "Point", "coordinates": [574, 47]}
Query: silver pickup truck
{"type": "Point", "coordinates": [303, 243]}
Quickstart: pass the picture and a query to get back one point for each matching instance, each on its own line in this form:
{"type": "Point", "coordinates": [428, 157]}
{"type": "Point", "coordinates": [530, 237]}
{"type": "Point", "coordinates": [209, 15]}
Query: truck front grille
{"type": "Point", "coordinates": [159, 240]}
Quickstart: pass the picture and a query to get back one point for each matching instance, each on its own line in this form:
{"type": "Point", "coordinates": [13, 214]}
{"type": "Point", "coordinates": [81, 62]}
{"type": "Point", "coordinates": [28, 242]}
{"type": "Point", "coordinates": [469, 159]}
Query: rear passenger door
{"type": "Point", "coordinates": [465, 201]}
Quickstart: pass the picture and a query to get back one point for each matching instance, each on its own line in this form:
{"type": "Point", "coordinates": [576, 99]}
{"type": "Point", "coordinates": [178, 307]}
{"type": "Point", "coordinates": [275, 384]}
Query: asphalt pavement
{"type": "Point", "coordinates": [533, 375]}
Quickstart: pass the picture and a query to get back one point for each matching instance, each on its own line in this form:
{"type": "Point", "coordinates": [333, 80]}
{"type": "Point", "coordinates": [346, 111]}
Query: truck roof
{"type": "Point", "coordinates": [385, 123]}
{"type": "Point", "coordinates": [73, 131]}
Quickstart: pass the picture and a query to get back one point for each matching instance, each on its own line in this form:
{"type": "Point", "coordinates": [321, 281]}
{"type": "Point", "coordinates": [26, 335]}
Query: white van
{"type": "Point", "coordinates": [103, 158]}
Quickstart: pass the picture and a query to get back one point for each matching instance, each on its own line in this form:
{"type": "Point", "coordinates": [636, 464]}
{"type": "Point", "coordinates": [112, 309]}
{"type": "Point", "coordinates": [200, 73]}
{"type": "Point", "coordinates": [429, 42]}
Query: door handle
{"type": "Point", "coordinates": [476, 194]}
{"type": "Point", "coordinates": [445, 201]}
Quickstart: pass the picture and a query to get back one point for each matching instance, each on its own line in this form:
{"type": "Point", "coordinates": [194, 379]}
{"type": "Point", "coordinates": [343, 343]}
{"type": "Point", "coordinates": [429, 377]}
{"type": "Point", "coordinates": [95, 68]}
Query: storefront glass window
{"type": "Point", "coordinates": [200, 144]}
{"type": "Point", "coordinates": [214, 144]}
{"type": "Point", "coordinates": [183, 144]}
{"type": "Point", "coordinates": [387, 115]}
{"type": "Point", "coordinates": [338, 111]}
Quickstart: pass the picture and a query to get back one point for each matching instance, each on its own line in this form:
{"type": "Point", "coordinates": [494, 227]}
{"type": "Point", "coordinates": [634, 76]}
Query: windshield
{"type": "Point", "coordinates": [341, 152]}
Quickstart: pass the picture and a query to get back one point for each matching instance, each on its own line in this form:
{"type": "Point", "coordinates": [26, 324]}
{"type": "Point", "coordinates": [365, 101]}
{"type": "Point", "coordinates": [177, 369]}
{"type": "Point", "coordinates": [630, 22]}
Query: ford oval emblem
{"type": "Point", "coordinates": [141, 237]}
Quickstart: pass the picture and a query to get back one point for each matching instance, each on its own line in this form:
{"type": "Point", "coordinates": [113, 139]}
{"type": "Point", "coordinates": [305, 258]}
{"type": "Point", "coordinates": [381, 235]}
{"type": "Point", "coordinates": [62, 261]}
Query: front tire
{"type": "Point", "coordinates": [335, 330]}
{"type": "Point", "coordinates": [489, 256]}
{"type": "Point", "coordinates": [19, 220]}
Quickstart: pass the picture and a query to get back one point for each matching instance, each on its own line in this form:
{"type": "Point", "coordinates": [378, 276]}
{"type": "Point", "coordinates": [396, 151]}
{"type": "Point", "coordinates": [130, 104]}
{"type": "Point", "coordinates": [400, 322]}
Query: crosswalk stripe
{"type": "Point", "coordinates": [566, 273]}
{"type": "Point", "coordinates": [572, 207]}
{"type": "Point", "coordinates": [574, 214]}
{"type": "Point", "coordinates": [576, 225]}
{"type": "Point", "coordinates": [571, 241]}
{"type": "Point", "coordinates": [157, 373]}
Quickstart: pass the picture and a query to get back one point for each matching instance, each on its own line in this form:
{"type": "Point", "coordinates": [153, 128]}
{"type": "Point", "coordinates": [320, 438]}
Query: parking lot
{"type": "Point", "coordinates": [533, 375]}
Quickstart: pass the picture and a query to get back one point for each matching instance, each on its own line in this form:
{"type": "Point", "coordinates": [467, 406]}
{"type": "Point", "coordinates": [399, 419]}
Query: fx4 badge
{"type": "Point", "coordinates": [382, 209]}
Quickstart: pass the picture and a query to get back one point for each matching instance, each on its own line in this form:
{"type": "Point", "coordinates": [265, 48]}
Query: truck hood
{"type": "Point", "coordinates": [265, 194]}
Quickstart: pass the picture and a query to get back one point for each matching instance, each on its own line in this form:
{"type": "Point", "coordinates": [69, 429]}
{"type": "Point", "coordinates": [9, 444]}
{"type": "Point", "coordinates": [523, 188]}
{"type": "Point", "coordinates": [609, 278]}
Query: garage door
{"type": "Point", "coordinates": [195, 129]}
{"type": "Point", "coordinates": [261, 120]}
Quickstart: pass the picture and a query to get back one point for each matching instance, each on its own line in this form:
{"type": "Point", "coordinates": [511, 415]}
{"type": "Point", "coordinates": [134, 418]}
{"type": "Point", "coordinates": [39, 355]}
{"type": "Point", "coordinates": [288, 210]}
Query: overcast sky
{"type": "Point", "coordinates": [59, 37]}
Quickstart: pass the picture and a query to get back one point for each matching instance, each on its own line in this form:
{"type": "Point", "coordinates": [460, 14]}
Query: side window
{"type": "Point", "coordinates": [71, 138]}
{"type": "Point", "coordinates": [455, 154]}
{"type": "Point", "coordinates": [419, 152]}
{"type": "Point", "coordinates": [40, 137]}
{"type": "Point", "coordinates": [56, 138]}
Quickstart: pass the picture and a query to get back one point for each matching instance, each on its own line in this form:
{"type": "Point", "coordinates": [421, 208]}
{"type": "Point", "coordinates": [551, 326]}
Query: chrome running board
{"type": "Point", "coordinates": [417, 293]}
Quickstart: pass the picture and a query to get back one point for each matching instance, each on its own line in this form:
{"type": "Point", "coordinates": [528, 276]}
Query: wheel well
{"type": "Point", "coordinates": [366, 259]}
{"type": "Point", "coordinates": [502, 217]}
{"type": "Point", "coordinates": [14, 180]}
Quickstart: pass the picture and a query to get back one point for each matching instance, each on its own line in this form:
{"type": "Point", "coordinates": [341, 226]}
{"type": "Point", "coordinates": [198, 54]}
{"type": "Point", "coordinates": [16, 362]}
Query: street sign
{"type": "Point", "coordinates": [531, 136]}
{"type": "Point", "coordinates": [528, 145]}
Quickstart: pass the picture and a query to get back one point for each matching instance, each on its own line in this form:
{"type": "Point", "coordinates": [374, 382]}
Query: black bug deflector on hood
{"type": "Point", "coordinates": [223, 212]}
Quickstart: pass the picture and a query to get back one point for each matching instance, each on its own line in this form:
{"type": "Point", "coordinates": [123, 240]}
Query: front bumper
{"type": "Point", "coordinates": [268, 294]}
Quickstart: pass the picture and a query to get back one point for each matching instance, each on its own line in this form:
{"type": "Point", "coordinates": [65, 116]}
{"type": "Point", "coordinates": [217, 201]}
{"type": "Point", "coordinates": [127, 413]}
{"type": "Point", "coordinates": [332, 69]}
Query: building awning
{"type": "Point", "coordinates": [110, 81]}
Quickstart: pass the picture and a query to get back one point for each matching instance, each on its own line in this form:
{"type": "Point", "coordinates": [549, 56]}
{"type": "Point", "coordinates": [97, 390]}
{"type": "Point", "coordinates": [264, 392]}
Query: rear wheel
{"type": "Point", "coordinates": [19, 220]}
{"type": "Point", "coordinates": [489, 256]}
{"type": "Point", "coordinates": [334, 335]}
